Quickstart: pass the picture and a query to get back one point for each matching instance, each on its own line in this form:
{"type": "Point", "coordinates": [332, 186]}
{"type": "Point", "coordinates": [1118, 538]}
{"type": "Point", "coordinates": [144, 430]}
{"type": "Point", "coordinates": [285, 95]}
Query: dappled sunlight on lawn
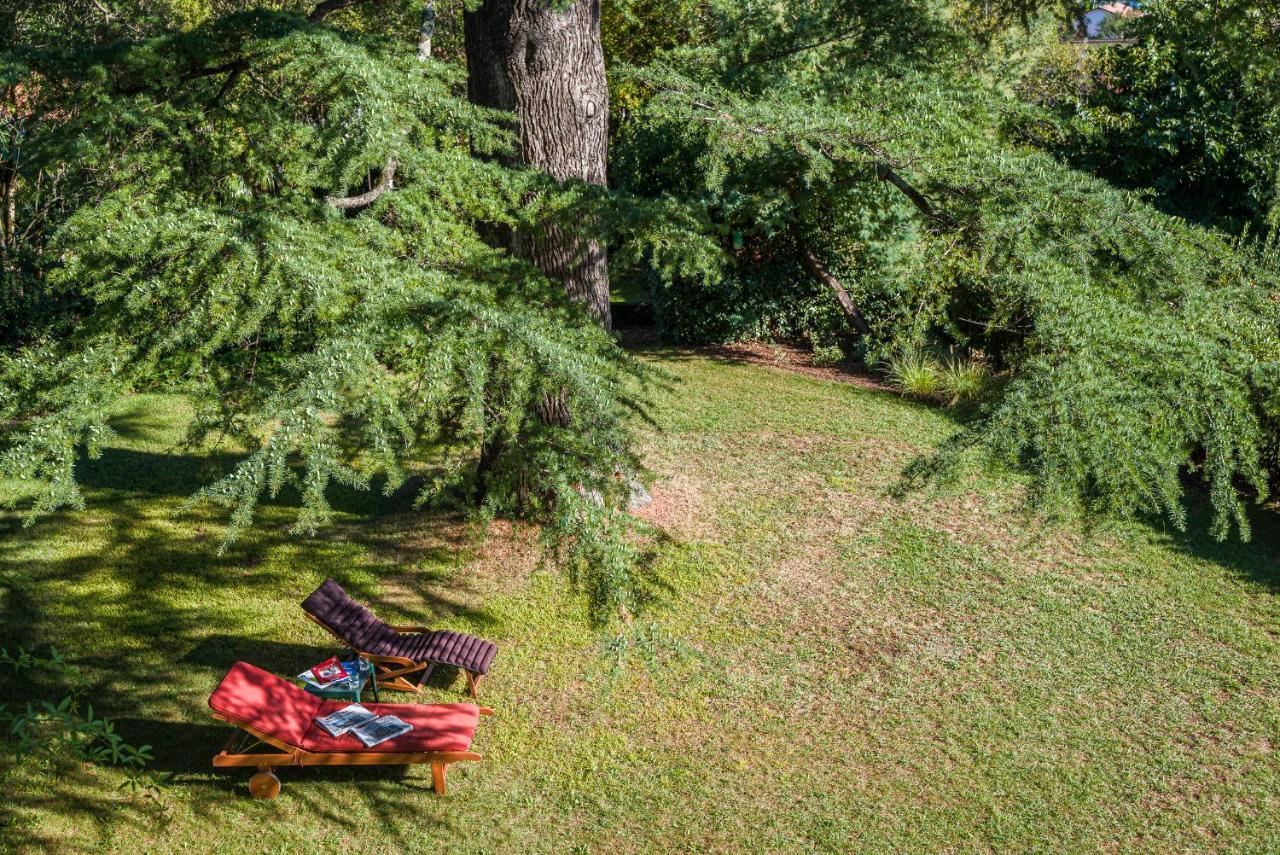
{"type": "Point", "coordinates": [850, 671]}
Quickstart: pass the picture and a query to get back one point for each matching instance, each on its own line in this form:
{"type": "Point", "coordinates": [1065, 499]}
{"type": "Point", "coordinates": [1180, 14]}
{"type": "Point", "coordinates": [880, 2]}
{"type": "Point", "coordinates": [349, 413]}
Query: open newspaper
{"type": "Point", "coordinates": [369, 727]}
{"type": "Point", "coordinates": [345, 719]}
{"type": "Point", "coordinates": [381, 729]}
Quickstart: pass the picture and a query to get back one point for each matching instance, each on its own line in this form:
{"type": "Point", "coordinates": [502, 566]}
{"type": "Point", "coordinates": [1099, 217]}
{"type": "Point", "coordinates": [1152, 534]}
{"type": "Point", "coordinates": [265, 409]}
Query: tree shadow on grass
{"type": "Point", "coordinates": [124, 472]}
{"type": "Point", "coordinates": [140, 599]}
{"type": "Point", "coordinates": [159, 561]}
{"type": "Point", "coordinates": [219, 651]}
{"type": "Point", "coordinates": [1256, 560]}
{"type": "Point", "coordinates": [90, 809]}
{"type": "Point", "coordinates": [152, 616]}
{"type": "Point", "coordinates": [793, 356]}
{"type": "Point", "coordinates": [83, 802]}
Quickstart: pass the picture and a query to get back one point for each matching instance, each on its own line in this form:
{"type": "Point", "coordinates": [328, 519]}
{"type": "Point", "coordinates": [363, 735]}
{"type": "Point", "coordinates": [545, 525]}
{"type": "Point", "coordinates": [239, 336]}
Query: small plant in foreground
{"type": "Point", "coordinates": [916, 375]}
{"type": "Point", "coordinates": [963, 380]}
{"type": "Point", "coordinates": [68, 730]}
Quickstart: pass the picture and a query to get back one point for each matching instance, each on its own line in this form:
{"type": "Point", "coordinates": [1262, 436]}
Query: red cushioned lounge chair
{"type": "Point", "coordinates": [272, 713]}
{"type": "Point", "coordinates": [404, 656]}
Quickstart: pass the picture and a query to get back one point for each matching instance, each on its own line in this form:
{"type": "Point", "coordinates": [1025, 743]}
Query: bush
{"type": "Point", "coordinates": [955, 382]}
{"type": "Point", "coordinates": [67, 730]}
{"type": "Point", "coordinates": [1190, 113]}
{"type": "Point", "coordinates": [916, 375]}
{"type": "Point", "coordinates": [964, 380]}
{"type": "Point", "coordinates": [762, 294]}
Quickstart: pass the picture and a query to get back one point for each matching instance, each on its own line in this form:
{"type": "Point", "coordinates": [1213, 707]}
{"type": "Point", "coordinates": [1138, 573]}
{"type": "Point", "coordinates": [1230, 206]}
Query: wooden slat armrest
{"type": "Point", "coordinates": [388, 660]}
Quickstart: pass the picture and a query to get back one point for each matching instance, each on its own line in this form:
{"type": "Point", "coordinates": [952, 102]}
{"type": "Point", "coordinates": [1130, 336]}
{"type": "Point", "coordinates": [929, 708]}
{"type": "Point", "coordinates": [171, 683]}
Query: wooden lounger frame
{"type": "Point", "coordinates": [238, 751]}
{"type": "Point", "coordinates": [391, 672]}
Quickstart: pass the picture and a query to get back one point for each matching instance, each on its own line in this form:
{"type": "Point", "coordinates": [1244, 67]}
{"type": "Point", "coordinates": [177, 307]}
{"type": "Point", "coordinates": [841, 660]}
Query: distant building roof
{"type": "Point", "coordinates": [1123, 9]}
{"type": "Point", "coordinates": [1089, 27]}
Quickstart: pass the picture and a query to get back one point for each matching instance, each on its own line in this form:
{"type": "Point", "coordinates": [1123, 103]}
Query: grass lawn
{"type": "Point", "coordinates": [868, 674]}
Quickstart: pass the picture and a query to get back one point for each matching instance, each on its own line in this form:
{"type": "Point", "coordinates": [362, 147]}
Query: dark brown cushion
{"type": "Point", "coordinates": [348, 619]}
{"type": "Point", "coordinates": [449, 648]}
{"type": "Point", "coordinates": [360, 628]}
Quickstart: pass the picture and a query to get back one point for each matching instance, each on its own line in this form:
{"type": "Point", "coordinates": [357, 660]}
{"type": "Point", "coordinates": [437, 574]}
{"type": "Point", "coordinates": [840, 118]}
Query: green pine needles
{"type": "Point", "coordinates": [1130, 349]}
{"type": "Point", "coordinates": [285, 221]}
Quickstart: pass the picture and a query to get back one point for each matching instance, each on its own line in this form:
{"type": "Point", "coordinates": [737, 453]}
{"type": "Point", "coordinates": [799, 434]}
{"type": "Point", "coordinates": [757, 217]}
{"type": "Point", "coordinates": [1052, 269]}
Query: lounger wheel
{"type": "Point", "coordinates": [264, 785]}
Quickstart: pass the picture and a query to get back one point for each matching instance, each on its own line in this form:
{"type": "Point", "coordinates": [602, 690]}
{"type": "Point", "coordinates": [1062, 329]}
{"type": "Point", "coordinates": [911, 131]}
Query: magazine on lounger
{"type": "Point", "coordinates": [346, 719]}
{"type": "Point", "coordinates": [349, 682]}
{"type": "Point", "coordinates": [380, 729]}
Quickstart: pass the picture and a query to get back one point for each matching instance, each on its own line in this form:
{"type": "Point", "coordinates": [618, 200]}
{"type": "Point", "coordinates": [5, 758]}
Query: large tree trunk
{"type": "Point", "coordinates": [547, 66]}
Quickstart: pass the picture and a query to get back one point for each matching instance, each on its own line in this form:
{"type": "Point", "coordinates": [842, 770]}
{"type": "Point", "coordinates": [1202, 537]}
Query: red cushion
{"type": "Point", "coordinates": [265, 702]}
{"type": "Point", "coordinates": [436, 727]}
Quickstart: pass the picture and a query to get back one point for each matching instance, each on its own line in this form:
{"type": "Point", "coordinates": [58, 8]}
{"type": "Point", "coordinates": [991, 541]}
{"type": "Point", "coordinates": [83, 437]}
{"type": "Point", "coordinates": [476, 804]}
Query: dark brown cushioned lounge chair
{"type": "Point", "coordinates": [404, 656]}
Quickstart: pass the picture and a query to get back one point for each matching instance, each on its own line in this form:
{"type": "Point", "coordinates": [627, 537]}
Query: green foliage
{"type": "Point", "coordinates": [1136, 348]}
{"type": "Point", "coordinates": [635, 32]}
{"type": "Point", "coordinates": [193, 242]}
{"type": "Point", "coordinates": [67, 730]}
{"type": "Point", "coordinates": [1191, 111]}
{"type": "Point", "coordinates": [986, 19]}
{"type": "Point", "coordinates": [602, 556]}
{"type": "Point", "coordinates": [335, 347]}
{"type": "Point", "coordinates": [916, 374]}
{"type": "Point", "coordinates": [1146, 352]}
{"type": "Point", "coordinates": [764, 298]}
{"type": "Point", "coordinates": [956, 381]}
{"type": "Point", "coordinates": [964, 380]}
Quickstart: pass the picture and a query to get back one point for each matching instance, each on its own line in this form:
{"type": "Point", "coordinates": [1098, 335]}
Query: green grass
{"type": "Point", "coordinates": [871, 675]}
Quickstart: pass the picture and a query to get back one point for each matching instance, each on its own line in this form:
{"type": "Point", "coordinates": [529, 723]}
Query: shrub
{"type": "Point", "coordinates": [963, 380]}
{"type": "Point", "coordinates": [1189, 113]}
{"type": "Point", "coordinates": [68, 730]}
{"type": "Point", "coordinates": [917, 375]}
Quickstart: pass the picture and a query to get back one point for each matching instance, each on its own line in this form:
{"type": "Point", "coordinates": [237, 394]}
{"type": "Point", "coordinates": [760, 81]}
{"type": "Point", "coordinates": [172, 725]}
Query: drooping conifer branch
{"type": "Point", "coordinates": [328, 7]}
{"type": "Point", "coordinates": [878, 159]}
{"type": "Point", "coordinates": [368, 198]}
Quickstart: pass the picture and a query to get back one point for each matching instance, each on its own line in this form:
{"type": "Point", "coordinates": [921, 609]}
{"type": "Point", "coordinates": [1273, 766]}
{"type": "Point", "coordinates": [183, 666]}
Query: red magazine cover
{"type": "Point", "coordinates": [328, 671]}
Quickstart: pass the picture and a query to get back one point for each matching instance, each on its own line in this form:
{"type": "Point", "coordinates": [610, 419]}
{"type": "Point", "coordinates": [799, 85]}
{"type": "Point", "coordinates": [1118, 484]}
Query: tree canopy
{"type": "Point", "coordinates": [210, 232]}
{"type": "Point", "coordinates": [1132, 347]}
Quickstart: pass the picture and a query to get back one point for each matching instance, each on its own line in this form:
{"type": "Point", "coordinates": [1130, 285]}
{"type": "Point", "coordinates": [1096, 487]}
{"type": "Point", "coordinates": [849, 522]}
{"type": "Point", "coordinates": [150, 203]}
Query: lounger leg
{"type": "Point", "coordinates": [264, 785]}
{"type": "Point", "coordinates": [473, 683]}
{"type": "Point", "coordinates": [437, 776]}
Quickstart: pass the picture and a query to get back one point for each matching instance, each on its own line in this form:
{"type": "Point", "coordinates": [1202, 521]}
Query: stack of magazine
{"type": "Point", "coordinates": [368, 727]}
{"type": "Point", "coordinates": [334, 675]}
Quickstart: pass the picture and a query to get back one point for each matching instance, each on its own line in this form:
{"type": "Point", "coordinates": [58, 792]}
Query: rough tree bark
{"type": "Point", "coordinates": [8, 204]}
{"type": "Point", "coordinates": [820, 272]}
{"type": "Point", "coordinates": [543, 61]}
